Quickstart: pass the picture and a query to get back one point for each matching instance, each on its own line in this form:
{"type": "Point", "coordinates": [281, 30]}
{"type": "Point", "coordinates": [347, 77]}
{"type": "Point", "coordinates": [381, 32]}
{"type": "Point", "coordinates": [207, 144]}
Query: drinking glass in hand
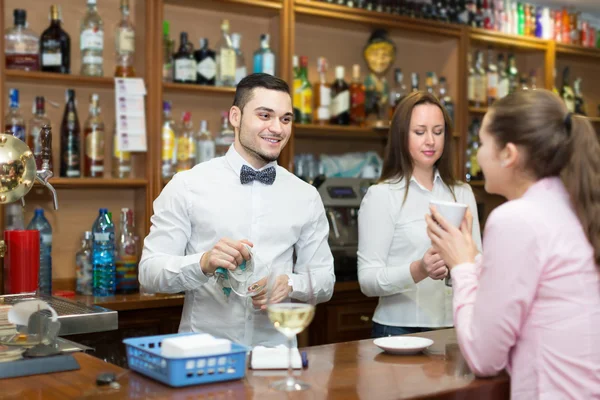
{"type": "Point", "coordinates": [290, 317]}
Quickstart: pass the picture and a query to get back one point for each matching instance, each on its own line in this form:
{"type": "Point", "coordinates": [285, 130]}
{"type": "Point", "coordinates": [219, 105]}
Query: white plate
{"type": "Point", "coordinates": [403, 344]}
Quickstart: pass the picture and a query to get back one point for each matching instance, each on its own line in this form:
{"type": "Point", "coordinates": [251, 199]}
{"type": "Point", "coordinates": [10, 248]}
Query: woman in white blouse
{"type": "Point", "coordinates": [395, 260]}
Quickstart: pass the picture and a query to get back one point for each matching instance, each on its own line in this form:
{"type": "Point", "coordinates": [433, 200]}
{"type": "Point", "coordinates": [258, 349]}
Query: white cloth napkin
{"type": "Point", "coordinates": [274, 358]}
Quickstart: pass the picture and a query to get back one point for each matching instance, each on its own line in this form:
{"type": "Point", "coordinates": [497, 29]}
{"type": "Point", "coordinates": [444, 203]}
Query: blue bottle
{"type": "Point", "coordinates": [40, 223]}
{"type": "Point", "coordinates": [103, 255]}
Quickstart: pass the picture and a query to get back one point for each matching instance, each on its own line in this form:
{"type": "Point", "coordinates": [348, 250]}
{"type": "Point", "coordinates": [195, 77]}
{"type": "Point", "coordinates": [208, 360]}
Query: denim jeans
{"type": "Point", "coordinates": [380, 330]}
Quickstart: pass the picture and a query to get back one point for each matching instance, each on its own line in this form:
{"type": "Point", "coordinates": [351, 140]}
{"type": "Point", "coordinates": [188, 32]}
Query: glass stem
{"type": "Point", "coordinates": [290, 378]}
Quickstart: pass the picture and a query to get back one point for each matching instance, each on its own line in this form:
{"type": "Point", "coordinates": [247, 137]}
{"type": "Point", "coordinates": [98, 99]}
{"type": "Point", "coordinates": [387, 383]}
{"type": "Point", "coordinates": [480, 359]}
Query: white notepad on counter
{"type": "Point", "coordinates": [274, 358]}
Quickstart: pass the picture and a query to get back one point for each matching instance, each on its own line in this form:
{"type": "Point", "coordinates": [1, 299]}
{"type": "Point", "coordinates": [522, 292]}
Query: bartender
{"type": "Point", "coordinates": [205, 217]}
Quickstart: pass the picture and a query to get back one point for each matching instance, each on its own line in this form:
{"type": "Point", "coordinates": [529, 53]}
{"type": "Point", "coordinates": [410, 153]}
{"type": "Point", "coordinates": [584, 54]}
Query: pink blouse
{"type": "Point", "coordinates": [531, 304]}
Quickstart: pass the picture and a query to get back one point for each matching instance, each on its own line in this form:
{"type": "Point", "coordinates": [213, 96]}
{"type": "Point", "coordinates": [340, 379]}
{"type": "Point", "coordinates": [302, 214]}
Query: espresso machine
{"type": "Point", "coordinates": [341, 198]}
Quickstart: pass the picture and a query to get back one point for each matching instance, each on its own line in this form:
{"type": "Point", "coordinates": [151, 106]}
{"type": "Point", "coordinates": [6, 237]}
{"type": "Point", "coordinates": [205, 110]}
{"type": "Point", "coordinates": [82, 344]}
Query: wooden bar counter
{"type": "Point", "coordinates": [351, 370]}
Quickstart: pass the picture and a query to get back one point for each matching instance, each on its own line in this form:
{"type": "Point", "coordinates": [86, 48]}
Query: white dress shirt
{"type": "Point", "coordinates": [199, 207]}
{"type": "Point", "coordinates": [391, 235]}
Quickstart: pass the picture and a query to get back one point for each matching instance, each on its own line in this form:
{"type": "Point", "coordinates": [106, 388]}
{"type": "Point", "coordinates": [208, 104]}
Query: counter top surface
{"type": "Point", "coordinates": [352, 370]}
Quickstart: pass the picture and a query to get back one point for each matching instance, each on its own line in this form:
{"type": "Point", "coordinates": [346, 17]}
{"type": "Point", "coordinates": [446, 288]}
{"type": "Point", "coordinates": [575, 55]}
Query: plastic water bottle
{"type": "Point", "coordinates": [40, 223]}
{"type": "Point", "coordinates": [103, 255]}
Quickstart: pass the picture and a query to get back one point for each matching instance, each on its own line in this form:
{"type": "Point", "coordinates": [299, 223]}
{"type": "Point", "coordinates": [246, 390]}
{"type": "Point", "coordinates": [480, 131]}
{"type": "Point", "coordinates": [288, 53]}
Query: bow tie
{"type": "Point", "coordinates": [266, 176]}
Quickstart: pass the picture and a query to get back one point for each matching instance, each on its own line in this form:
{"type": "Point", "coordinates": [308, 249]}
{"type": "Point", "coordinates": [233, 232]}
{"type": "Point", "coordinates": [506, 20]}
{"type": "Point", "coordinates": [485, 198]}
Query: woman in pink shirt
{"type": "Point", "coordinates": [531, 303]}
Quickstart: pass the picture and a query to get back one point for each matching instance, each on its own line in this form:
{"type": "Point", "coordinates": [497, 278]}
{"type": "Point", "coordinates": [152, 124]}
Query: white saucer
{"type": "Point", "coordinates": [402, 344]}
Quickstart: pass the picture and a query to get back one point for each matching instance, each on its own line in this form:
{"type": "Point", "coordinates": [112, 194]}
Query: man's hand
{"type": "Point", "coordinates": [279, 292]}
{"type": "Point", "coordinates": [226, 254]}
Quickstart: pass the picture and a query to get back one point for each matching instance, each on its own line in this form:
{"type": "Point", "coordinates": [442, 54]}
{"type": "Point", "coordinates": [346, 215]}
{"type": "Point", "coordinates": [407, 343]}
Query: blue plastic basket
{"type": "Point", "coordinates": [144, 356]}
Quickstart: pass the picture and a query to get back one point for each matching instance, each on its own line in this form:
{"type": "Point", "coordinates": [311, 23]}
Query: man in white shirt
{"type": "Point", "coordinates": [204, 216]}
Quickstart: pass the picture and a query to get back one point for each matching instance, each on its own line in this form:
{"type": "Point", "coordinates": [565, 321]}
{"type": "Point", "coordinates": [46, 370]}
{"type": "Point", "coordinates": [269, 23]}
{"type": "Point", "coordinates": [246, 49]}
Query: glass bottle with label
{"type": "Point", "coordinates": [13, 120]}
{"type": "Point", "coordinates": [186, 144]}
{"type": "Point", "coordinates": [185, 64]}
{"type": "Point", "coordinates": [579, 102]}
{"type": "Point", "coordinates": [470, 80]}
{"type": "Point", "coordinates": [35, 128]}
{"type": "Point", "coordinates": [492, 79]}
{"type": "Point", "coordinates": [240, 61]}
{"type": "Point", "coordinates": [55, 46]}
{"type": "Point", "coordinates": [168, 158]}
{"type": "Point", "coordinates": [503, 82]}
{"type": "Point", "coordinates": [83, 265]}
{"type": "Point", "coordinates": [566, 92]}
{"type": "Point", "coordinates": [121, 162]}
{"type": "Point", "coordinates": [21, 45]}
{"type": "Point", "coordinates": [445, 97]}
{"type": "Point", "coordinates": [168, 47]}
{"type": "Point", "coordinates": [398, 92]}
{"type": "Point", "coordinates": [322, 94]}
{"type": "Point", "coordinates": [295, 85]}
{"type": "Point", "coordinates": [226, 137]}
{"type": "Point", "coordinates": [93, 133]}
{"type": "Point", "coordinates": [340, 99]}
{"type": "Point", "coordinates": [357, 98]}
{"type": "Point", "coordinates": [205, 144]}
{"type": "Point", "coordinates": [474, 172]}
{"type": "Point", "coordinates": [125, 44]}
{"type": "Point", "coordinates": [414, 82]}
{"type": "Point", "coordinates": [92, 42]}
{"type": "Point", "coordinates": [264, 58]}
{"type": "Point", "coordinates": [513, 74]}
{"type": "Point", "coordinates": [225, 58]}
{"type": "Point", "coordinates": [303, 93]}
{"type": "Point", "coordinates": [480, 81]}
{"type": "Point", "coordinates": [126, 259]}
{"type": "Point", "coordinates": [206, 65]}
{"type": "Point", "coordinates": [70, 138]}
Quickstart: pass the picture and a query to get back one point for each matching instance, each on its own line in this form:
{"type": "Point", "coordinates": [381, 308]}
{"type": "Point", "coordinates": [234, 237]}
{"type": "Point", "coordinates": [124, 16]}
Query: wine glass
{"type": "Point", "coordinates": [289, 316]}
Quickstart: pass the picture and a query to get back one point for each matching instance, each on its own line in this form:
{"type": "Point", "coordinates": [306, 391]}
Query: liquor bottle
{"type": "Point", "coordinates": [480, 81]}
{"type": "Point", "coordinates": [264, 58]}
{"type": "Point", "coordinates": [520, 19]}
{"type": "Point", "coordinates": [566, 26]}
{"type": "Point", "coordinates": [532, 80]}
{"type": "Point", "coordinates": [357, 98]}
{"type": "Point", "coordinates": [523, 82]}
{"type": "Point", "coordinates": [470, 80]}
{"type": "Point", "coordinates": [527, 13]}
{"type": "Point", "coordinates": [21, 45]}
{"type": "Point", "coordinates": [574, 21]}
{"type": "Point", "coordinates": [567, 92]}
{"type": "Point", "coordinates": [169, 155]}
{"type": "Point", "coordinates": [488, 19]}
{"type": "Point", "coordinates": [430, 81]}
{"type": "Point", "coordinates": [121, 160]}
{"type": "Point", "coordinates": [70, 138]}
{"type": "Point", "coordinates": [322, 94]}
{"type": "Point", "coordinates": [492, 79]}
{"type": "Point", "coordinates": [503, 81]}
{"type": "Point", "coordinates": [513, 74]}
{"type": "Point", "coordinates": [168, 48]}
{"type": "Point", "coordinates": [398, 92]}
{"type": "Point", "coordinates": [13, 120]}
{"type": "Point", "coordinates": [92, 42]}
{"type": "Point", "coordinates": [125, 44]}
{"type": "Point", "coordinates": [55, 46]}
{"type": "Point", "coordinates": [205, 144]}
{"type": "Point", "coordinates": [83, 266]}
{"type": "Point", "coordinates": [414, 82]}
{"type": "Point", "coordinates": [93, 136]}
{"type": "Point", "coordinates": [225, 58]}
{"type": "Point", "coordinates": [206, 65]}
{"type": "Point", "coordinates": [240, 61]}
{"type": "Point", "coordinates": [184, 61]}
{"type": "Point", "coordinates": [226, 136]}
{"type": "Point", "coordinates": [539, 22]}
{"type": "Point", "coordinates": [304, 93]}
{"type": "Point", "coordinates": [474, 172]}
{"type": "Point", "coordinates": [103, 255]}
{"type": "Point", "coordinates": [340, 99]}
{"type": "Point", "coordinates": [445, 97]}
{"type": "Point", "coordinates": [126, 274]}
{"type": "Point", "coordinates": [40, 223]}
{"type": "Point", "coordinates": [296, 82]}
{"type": "Point", "coordinates": [579, 102]}
{"type": "Point", "coordinates": [186, 144]}
{"type": "Point", "coordinates": [35, 128]}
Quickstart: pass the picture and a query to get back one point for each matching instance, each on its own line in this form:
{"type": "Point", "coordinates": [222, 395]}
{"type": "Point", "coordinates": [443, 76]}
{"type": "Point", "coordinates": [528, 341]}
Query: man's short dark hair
{"type": "Point", "coordinates": [243, 93]}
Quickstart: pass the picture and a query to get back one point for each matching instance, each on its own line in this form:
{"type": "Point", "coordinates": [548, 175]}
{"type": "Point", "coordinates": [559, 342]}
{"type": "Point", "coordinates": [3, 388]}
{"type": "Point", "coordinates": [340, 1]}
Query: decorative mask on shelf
{"type": "Point", "coordinates": [380, 54]}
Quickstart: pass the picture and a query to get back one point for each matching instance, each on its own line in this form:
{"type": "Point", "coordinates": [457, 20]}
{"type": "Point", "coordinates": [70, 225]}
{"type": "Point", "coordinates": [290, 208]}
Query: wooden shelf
{"type": "Point", "coordinates": [193, 88]}
{"type": "Point", "coordinates": [237, 6]}
{"type": "Point", "coordinates": [97, 183]}
{"type": "Point", "coordinates": [339, 132]}
{"type": "Point", "coordinates": [577, 51]}
{"type": "Point", "coordinates": [49, 78]}
{"type": "Point", "coordinates": [522, 43]}
{"type": "Point", "coordinates": [477, 110]}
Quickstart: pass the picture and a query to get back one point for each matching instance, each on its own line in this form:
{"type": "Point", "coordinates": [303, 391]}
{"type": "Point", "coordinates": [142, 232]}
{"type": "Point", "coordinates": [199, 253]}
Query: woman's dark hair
{"type": "Point", "coordinates": [556, 143]}
{"type": "Point", "coordinates": [397, 162]}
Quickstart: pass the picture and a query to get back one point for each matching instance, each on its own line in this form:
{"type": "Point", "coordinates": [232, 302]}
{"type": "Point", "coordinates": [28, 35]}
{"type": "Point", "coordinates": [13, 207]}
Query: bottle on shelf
{"type": "Point", "coordinates": [240, 62]}
{"type": "Point", "coordinates": [264, 58]}
{"type": "Point", "coordinates": [303, 93]}
{"type": "Point", "coordinates": [503, 81]}
{"type": "Point", "coordinates": [103, 255]}
{"type": "Point", "coordinates": [127, 255]}
{"type": "Point", "coordinates": [470, 80]}
{"type": "Point", "coordinates": [532, 80]}
{"type": "Point", "coordinates": [480, 81]}
{"type": "Point", "coordinates": [322, 94]}
{"type": "Point", "coordinates": [340, 99]}
{"type": "Point", "coordinates": [55, 46]}
{"type": "Point", "coordinates": [445, 97]}
{"type": "Point", "coordinates": [566, 91]}
{"type": "Point", "coordinates": [13, 120]}
{"type": "Point", "coordinates": [169, 155]}
{"type": "Point", "coordinates": [430, 82]}
{"type": "Point", "coordinates": [41, 224]}
{"type": "Point", "coordinates": [92, 42]}
{"type": "Point", "coordinates": [70, 139]}
{"type": "Point", "coordinates": [414, 82]}
{"type": "Point", "coordinates": [186, 144]}
{"type": "Point", "coordinates": [226, 136]}
{"type": "Point", "coordinates": [121, 162]}
{"type": "Point", "coordinates": [295, 85]}
{"type": "Point", "coordinates": [225, 58]}
{"type": "Point", "coordinates": [492, 79]}
{"type": "Point", "coordinates": [513, 74]}
{"type": "Point", "coordinates": [184, 61]}
{"type": "Point", "coordinates": [579, 102]}
{"type": "Point", "coordinates": [21, 45]}
{"type": "Point", "coordinates": [474, 172]}
{"type": "Point", "coordinates": [523, 83]}
{"type": "Point", "coordinates": [36, 123]}
{"type": "Point", "coordinates": [168, 49]}
{"type": "Point", "coordinates": [125, 44]}
{"type": "Point", "coordinates": [398, 92]}
{"type": "Point", "coordinates": [83, 266]}
{"type": "Point", "coordinates": [206, 65]}
{"type": "Point", "coordinates": [205, 144]}
{"type": "Point", "coordinates": [93, 137]}
{"type": "Point", "coordinates": [357, 98]}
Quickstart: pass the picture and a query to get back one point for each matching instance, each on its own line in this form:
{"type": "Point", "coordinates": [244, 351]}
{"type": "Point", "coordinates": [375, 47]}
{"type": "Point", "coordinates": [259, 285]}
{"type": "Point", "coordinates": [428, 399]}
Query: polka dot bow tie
{"type": "Point", "coordinates": [266, 176]}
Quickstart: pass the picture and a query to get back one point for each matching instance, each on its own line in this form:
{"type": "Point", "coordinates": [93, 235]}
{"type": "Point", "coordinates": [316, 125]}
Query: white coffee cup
{"type": "Point", "coordinates": [454, 213]}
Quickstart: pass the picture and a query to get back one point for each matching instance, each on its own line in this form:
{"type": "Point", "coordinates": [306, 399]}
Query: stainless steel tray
{"type": "Point", "coordinates": [75, 317]}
